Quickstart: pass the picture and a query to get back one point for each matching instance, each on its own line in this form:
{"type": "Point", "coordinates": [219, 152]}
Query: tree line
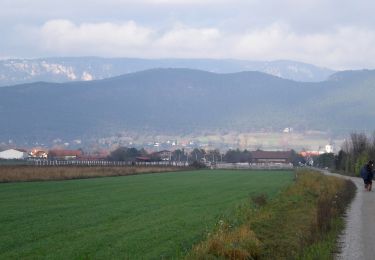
{"type": "Point", "coordinates": [179, 155]}
{"type": "Point", "coordinates": [196, 155]}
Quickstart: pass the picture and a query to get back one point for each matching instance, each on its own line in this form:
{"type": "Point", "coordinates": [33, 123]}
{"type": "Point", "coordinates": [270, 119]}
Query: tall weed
{"type": "Point", "coordinates": [300, 223]}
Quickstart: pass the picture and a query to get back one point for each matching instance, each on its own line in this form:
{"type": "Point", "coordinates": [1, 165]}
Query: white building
{"type": "Point", "coordinates": [13, 154]}
{"type": "Point", "coordinates": [288, 130]}
{"type": "Point", "coordinates": [329, 148]}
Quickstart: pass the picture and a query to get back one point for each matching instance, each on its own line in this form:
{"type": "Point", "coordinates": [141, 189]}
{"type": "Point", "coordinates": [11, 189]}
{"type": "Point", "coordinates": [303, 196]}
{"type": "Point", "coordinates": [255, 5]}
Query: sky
{"type": "Point", "coordinates": [337, 34]}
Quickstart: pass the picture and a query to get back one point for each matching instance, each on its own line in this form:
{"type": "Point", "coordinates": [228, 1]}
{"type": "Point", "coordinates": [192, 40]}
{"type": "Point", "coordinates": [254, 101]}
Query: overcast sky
{"type": "Point", "coordinates": [338, 34]}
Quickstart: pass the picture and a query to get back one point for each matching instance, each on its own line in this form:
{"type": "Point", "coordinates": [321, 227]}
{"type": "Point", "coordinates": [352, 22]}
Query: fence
{"type": "Point", "coordinates": [97, 163]}
{"type": "Point", "coordinates": [93, 163]}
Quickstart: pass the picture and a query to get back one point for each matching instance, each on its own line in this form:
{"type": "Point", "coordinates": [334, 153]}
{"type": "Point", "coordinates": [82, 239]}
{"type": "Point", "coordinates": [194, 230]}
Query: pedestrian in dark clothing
{"type": "Point", "coordinates": [367, 174]}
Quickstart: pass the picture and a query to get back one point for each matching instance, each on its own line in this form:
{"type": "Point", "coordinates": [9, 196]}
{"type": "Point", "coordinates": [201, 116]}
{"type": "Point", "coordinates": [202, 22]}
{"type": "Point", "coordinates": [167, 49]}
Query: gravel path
{"type": "Point", "coordinates": [357, 241]}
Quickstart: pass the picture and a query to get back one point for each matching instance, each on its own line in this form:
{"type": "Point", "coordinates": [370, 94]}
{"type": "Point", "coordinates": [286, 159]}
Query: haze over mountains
{"type": "Point", "coordinates": [16, 71]}
{"type": "Point", "coordinates": [186, 101]}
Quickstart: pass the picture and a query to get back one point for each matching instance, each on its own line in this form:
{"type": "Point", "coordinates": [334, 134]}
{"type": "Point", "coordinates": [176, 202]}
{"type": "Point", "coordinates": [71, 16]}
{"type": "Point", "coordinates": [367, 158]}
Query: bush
{"type": "Point", "coordinates": [198, 165]}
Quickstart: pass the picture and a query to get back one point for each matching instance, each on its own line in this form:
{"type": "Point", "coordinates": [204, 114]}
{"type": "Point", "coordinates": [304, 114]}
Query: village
{"type": "Point", "coordinates": [214, 158]}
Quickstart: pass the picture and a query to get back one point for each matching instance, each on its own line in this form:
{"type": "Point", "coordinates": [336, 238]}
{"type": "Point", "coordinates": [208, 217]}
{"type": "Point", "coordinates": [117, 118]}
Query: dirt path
{"type": "Point", "coordinates": [357, 241]}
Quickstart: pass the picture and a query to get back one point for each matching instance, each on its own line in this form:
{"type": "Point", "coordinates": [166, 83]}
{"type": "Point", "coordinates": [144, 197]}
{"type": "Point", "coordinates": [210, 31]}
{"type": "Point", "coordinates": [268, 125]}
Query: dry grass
{"type": "Point", "coordinates": [34, 173]}
{"type": "Point", "coordinates": [259, 200]}
{"type": "Point", "coordinates": [240, 243]}
{"type": "Point", "coordinates": [301, 217]}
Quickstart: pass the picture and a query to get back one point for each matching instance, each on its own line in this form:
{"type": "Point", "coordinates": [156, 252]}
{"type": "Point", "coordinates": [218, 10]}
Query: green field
{"type": "Point", "coordinates": [144, 216]}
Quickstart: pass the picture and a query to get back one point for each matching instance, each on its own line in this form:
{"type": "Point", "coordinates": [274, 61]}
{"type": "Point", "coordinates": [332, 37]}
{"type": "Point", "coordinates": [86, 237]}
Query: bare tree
{"type": "Point", "coordinates": [359, 143]}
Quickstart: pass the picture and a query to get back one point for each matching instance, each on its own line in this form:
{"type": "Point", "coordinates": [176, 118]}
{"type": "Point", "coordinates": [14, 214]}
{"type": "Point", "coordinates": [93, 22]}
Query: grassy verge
{"type": "Point", "coordinates": [34, 173]}
{"type": "Point", "coordinates": [302, 223]}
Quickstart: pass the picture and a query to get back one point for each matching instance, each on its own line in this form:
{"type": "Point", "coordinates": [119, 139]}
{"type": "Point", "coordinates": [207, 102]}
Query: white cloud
{"type": "Point", "coordinates": [125, 39]}
{"type": "Point", "coordinates": [345, 47]}
{"type": "Point", "coordinates": [178, 1]}
{"type": "Point", "coordinates": [184, 41]}
{"type": "Point", "coordinates": [342, 47]}
{"type": "Point", "coordinates": [181, 2]}
{"type": "Point", "coordinates": [64, 36]}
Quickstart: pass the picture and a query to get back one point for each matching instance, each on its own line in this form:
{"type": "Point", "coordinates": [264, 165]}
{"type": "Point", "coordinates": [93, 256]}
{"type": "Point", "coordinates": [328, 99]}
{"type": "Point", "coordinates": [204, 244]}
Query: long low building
{"type": "Point", "coordinates": [13, 154]}
{"type": "Point", "coordinates": [271, 157]}
{"type": "Point", "coordinates": [64, 154]}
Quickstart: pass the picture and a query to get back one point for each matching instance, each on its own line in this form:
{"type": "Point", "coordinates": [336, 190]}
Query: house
{"type": "Point", "coordinates": [38, 154]}
{"type": "Point", "coordinates": [14, 154]}
{"type": "Point", "coordinates": [64, 154]}
{"type": "Point", "coordinates": [164, 155]}
{"type": "Point", "coordinates": [271, 157]}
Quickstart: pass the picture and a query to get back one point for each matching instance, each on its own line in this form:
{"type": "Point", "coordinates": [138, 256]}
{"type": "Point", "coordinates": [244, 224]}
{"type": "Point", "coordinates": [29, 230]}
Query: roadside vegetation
{"type": "Point", "coordinates": [303, 222]}
{"type": "Point", "coordinates": [18, 173]}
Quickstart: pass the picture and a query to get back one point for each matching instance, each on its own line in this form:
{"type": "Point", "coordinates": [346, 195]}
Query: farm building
{"type": "Point", "coordinates": [13, 154]}
{"type": "Point", "coordinates": [271, 157]}
{"type": "Point", "coordinates": [64, 154]}
{"type": "Point", "coordinates": [164, 155]}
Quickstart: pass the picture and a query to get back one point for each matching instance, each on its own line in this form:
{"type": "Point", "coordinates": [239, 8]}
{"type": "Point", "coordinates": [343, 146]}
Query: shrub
{"type": "Point", "coordinates": [198, 165]}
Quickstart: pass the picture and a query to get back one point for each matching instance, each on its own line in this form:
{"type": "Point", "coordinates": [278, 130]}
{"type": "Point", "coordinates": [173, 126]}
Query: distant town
{"type": "Point", "coordinates": [214, 157]}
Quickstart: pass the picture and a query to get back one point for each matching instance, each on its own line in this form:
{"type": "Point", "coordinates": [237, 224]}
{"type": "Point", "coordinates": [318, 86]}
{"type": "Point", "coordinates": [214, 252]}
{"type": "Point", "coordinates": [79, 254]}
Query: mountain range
{"type": "Point", "coordinates": [186, 101]}
{"type": "Point", "coordinates": [17, 71]}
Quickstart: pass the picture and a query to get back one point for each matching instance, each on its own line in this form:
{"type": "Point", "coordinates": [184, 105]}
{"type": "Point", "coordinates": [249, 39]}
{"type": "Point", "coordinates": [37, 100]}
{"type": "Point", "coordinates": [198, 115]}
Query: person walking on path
{"type": "Point", "coordinates": [367, 174]}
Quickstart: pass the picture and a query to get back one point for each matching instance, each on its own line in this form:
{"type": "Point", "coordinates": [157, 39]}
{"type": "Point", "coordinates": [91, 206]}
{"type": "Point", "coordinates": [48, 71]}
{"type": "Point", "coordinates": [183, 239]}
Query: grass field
{"type": "Point", "coordinates": [148, 216]}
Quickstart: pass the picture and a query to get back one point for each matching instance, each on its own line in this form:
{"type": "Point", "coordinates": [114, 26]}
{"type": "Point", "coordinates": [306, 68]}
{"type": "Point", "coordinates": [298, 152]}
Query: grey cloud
{"type": "Point", "coordinates": [308, 30]}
